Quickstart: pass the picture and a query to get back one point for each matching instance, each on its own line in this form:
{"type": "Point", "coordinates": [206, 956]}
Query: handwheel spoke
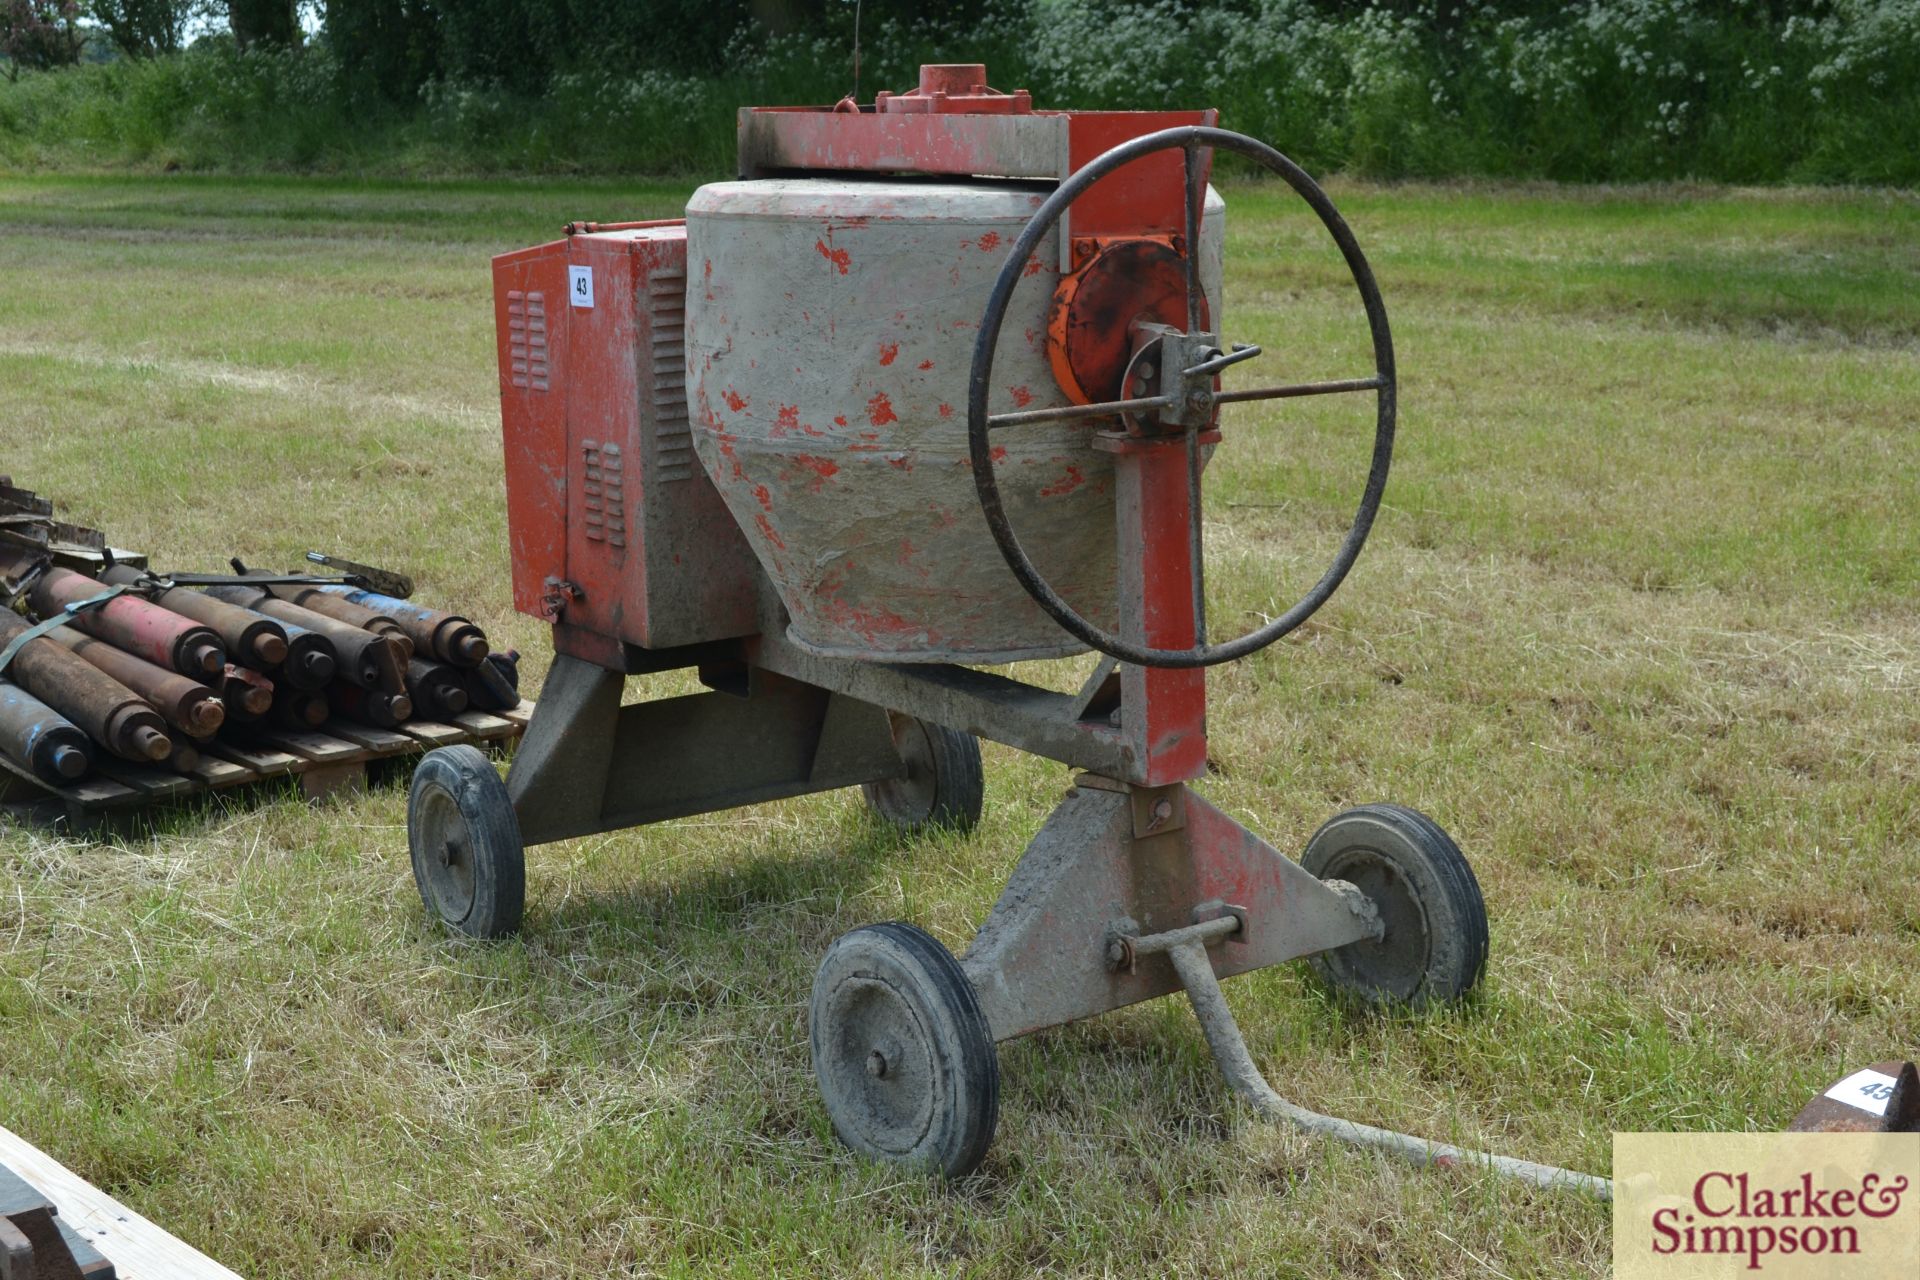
{"type": "Point", "coordinates": [1068, 412]}
{"type": "Point", "coordinates": [1299, 389]}
{"type": "Point", "coordinates": [1196, 194]}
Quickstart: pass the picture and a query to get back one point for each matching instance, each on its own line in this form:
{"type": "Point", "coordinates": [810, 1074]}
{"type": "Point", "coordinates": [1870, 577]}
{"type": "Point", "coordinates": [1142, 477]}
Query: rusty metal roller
{"type": "Point", "coordinates": [364, 659]}
{"type": "Point", "coordinates": [369, 706]}
{"type": "Point", "coordinates": [188, 706]}
{"type": "Point", "coordinates": [248, 695]}
{"type": "Point", "coordinates": [445, 636]}
{"type": "Point", "coordinates": [251, 638]}
{"type": "Point", "coordinates": [344, 610]}
{"type": "Point", "coordinates": [135, 625]}
{"type": "Point", "coordinates": [111, 713]}
{"type": "Point", "coordinates": [436, 688]}
{"type": "Point", "coordinates": [40, 739]}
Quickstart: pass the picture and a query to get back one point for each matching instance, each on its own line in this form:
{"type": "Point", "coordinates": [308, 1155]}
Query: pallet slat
{"type": "Point", "coordinates": [151, 782]}
{"type": "Point", "coordinates": [433, 733]}
{"type": "Point", "coordinates": [312, 745]}
{"type": "Point", "coordinates": [381, 742]}
{"type": "Point", "coordinates": [138, 1249]}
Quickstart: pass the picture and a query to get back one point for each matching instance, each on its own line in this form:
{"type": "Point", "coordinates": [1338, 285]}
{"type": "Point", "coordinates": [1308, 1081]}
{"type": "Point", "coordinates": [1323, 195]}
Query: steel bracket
{"type": "Point", "coordinates": [1108, 878]}
{"type": "Point", "coordinates": [589, 764]}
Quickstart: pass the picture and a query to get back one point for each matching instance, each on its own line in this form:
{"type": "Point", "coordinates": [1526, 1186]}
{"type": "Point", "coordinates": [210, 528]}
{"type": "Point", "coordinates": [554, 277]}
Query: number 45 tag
{"type": "Point", "coordinates": [1868, 1090]}
{"type": "Point", "coordinates": [580, 286]}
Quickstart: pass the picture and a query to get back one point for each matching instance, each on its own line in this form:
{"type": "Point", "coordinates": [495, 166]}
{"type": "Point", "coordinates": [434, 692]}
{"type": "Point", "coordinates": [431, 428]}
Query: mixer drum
{"type": "Point", "coordinates": [830, 329]}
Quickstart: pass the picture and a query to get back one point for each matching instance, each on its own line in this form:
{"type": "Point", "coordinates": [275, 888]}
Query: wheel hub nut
{"type": "Point", "coordinates": [877, 1064]}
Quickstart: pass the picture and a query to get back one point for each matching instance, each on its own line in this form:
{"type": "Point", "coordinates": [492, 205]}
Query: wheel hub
{"type": "Point", "coordinates": [881, 1065]}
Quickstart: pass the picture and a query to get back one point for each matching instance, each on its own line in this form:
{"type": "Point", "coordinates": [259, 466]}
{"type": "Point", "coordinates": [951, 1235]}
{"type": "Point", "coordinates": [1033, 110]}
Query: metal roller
{"type": "Point", "coordinates": [343, 610]}
{"type": "Point", "coordinates": [436, 688]}
{"type": "Point", "coordinates": [110, 713]}
{"type": "Point", "coordinates": [248, 695]}
{"type": "Point", "coordinates": [138, 626]}
{"type": "Point", "coordinates": [40, 739]}
{"type": "Point", "coordinates": [187, 705]}
{"type": "Point", "coordinates": [250, 638]}
{"type": "Point", "coordinates": [370, 706]}
{"type": "Point", "coordinates": [445, 636]}
{"type": "Point", "coordinates": [361, 657]}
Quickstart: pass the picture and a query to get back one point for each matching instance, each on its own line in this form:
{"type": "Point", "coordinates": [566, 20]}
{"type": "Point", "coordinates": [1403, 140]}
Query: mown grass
{"type": "Point", "coordinates": [1639, 626]}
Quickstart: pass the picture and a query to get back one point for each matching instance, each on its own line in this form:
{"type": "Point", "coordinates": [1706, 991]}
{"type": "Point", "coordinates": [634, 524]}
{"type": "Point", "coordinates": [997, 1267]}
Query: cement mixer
{"type": "Point", "coordinates": [930, 387]}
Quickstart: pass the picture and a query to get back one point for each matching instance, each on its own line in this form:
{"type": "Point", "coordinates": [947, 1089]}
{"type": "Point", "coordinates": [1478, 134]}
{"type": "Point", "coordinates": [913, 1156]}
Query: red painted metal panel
{"type": "Point", "coordinates": [1165, 710]}
{"type": "Point", "coordinates": [603, 480]}
{"type": "Point", "coordinates": [529, 288]}
{"type": "Point", "coordinates": [1143, 198]}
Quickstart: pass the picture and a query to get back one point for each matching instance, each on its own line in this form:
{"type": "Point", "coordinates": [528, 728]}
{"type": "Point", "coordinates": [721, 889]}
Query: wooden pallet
{"type": "Point", "coordinates": [138, 1249]}
{"type": "Point", "coordinates": [333, 757]}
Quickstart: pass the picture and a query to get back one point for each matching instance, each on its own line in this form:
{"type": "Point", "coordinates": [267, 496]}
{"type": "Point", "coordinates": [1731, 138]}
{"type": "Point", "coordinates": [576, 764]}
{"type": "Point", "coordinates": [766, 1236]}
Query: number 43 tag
{"type": "Point", "coordinates": [580, 286]}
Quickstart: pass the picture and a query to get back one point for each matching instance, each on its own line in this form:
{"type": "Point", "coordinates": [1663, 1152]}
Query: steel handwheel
{"type": "Point", "coordinates": [1188, 398]}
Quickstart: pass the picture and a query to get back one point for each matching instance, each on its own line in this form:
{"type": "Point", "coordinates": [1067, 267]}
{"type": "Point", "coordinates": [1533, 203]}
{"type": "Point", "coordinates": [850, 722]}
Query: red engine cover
{"type": "Point", "coordinates": [615, 528]}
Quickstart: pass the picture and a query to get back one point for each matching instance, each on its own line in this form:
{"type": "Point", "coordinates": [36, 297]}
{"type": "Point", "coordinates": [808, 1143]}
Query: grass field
{"type": "Point", "coordinates": [1641, 626]}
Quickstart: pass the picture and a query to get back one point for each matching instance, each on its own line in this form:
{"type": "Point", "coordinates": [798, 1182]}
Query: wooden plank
{"type": "Point", "coordinates": [138, 1248]}
{"type": "Point", "coordinates": [260, 758]}
{"type": "Point", "coordinates": [91, 791]}
{"type": "Point", "coordinates": [485, 725]}
{"type": "Point", "coordinates": [384, 742]}
{"type": "Point", "coordinates": [520, 714]}
{"type": "Point", "coordinates": [151, 782]}
{"type": "Point", "coordinates": [318, 747]}
{"type": "Point", "coordinates": [433, 733]}
{"type": "Point", "coordinates": [215, 772]}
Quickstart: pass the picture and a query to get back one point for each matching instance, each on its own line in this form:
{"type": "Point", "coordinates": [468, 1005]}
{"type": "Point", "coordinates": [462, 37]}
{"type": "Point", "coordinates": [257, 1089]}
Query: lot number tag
{"type": "Point", "coordinates": [1867, 1090]}
{"type": "Point", "coordinates": [580, 286]}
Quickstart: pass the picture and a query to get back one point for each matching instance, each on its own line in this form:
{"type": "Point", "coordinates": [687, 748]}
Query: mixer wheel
{"type": "Point", "coordinates": [944, 786]}
{"type": "Point", "coordinates": [1434, 948]}
{"type": "Point", "coordinates": [903, 1055]}
{"type": "Point", "coordinates": [468, 859]}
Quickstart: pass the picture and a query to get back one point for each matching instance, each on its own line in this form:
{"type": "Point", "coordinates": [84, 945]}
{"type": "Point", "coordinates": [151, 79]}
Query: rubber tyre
{"type": "Point", "coordinates": [903, 1056]}
{"type": "Point", "coordinates": [945, 785]}
{"type": "Point", "coordinates": [1435, 947]}
{"type": "Point", "coordinates": [468, 859]}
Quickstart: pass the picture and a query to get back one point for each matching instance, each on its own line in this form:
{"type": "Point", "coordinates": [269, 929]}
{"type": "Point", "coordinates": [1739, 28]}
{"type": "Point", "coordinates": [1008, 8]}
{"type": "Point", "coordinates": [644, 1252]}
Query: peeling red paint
{"type": "Point", "coordinates": [759, 518]}
{"type": "Point", "coordinates": [1034, 266]}
{"type": "Point", "coordinates": [880, 410]}
{"type": "Point", "coordinates": [999, 453]}
{"type": "Point", "coordinates": [789, 416]}
{"type": "Point", "coordinates": [838, 257]}
{"type": "Point", "coordinates": [925, 365]}
{"type": "Point", "coordinates": [735, 401]}
{"type": "Point", "coordinates": [989, 242]}
{"type": "Point", "coordinates": [839, 419]}
{"type": "Point", "coordinates": [889, 351]}
{"type": "Point", "coordinates": [869, 435]}
{"type": "Point", "coordinates": [1021, 396]}
{"type": "Point", "coordinates": [766, 499]}
{"type": "Point", "coordinates": [902, 462]}
{"type": "Point", "coordinates": [822, 467]}
{"type": "Point", "coordinates": [946, 410]}
{"type": "Point", "coordinates": [1067, 483]}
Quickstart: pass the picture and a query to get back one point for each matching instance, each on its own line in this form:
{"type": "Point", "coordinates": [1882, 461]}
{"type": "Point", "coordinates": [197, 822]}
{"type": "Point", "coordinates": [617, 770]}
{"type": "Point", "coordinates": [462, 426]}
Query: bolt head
{"type": "Point", "coordinates": [877, 1064]}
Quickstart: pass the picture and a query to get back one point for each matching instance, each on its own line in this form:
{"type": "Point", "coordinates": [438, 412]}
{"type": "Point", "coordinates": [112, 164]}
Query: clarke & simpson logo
{"type": "Point", "coordinates": [1784, 1205]}
{"type": "Point", "coordinates": [1735, 1218]}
